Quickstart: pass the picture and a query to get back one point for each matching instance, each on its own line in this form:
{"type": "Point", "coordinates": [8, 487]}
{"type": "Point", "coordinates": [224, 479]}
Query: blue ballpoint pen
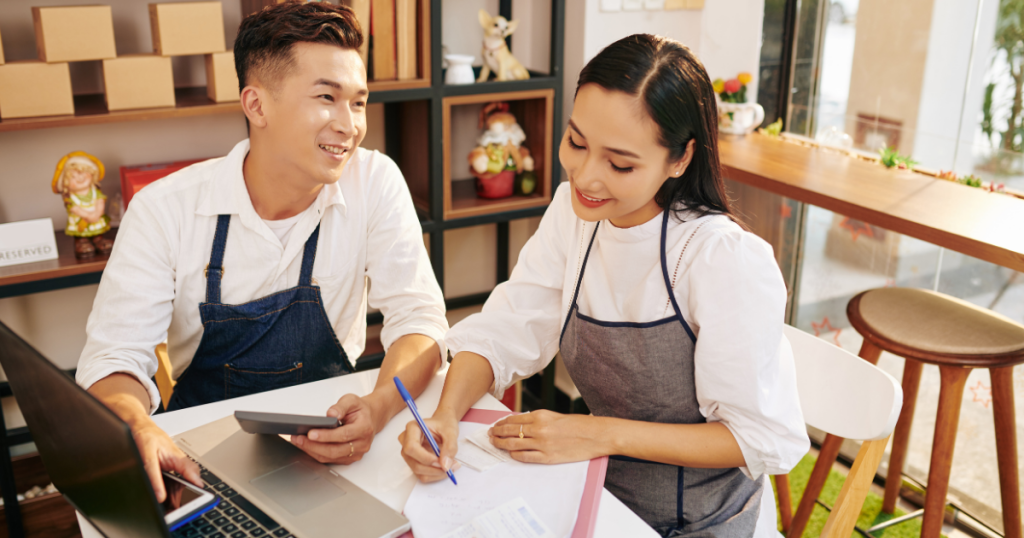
{"type": "Point", "coordinates": [419, 420]}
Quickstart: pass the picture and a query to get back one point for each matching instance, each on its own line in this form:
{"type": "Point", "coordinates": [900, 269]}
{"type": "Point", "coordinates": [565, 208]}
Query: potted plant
{"type": "Point", "coordinates": [735, 114]}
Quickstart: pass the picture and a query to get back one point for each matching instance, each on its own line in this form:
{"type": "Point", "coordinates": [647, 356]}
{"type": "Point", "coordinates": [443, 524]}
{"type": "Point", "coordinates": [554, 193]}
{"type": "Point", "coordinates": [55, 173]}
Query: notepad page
{"type": "Point", "coordinates": [553, 492]}
{"type": "Point", "coordinates": [513, 519]}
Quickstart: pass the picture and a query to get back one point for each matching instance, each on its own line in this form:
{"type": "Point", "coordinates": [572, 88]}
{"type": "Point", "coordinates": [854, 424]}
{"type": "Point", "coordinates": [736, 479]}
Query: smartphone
{"type": "Point", "coordinates": [283, 424]}
{"type": "Point", "coordinates": [185, 501]}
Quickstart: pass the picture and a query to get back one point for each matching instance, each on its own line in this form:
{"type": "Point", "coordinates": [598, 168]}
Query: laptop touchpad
{"type": "Point", "coordinates": [298, 487]}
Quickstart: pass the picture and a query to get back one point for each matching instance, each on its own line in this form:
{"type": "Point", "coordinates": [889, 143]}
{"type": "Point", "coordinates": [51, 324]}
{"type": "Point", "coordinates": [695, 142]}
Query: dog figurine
{"type": "Point", "coordinates": [497, 57]}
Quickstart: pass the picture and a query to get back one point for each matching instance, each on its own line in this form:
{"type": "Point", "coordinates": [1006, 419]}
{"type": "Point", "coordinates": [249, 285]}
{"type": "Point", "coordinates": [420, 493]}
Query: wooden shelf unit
{"type": "Point", "coordinates": [91, 109]}
{"type": "Point", "coordinates": [533, 110]}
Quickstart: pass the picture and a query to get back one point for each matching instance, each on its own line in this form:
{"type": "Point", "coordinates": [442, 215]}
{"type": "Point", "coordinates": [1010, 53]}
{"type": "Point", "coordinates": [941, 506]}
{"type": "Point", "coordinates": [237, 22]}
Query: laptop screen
{"type": "Point", "coordinates": [88, 452]}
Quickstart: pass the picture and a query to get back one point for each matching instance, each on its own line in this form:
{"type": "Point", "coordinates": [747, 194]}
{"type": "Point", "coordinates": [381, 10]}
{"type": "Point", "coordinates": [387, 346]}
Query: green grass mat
{"type": "Point", "coordinates": [870, 515]}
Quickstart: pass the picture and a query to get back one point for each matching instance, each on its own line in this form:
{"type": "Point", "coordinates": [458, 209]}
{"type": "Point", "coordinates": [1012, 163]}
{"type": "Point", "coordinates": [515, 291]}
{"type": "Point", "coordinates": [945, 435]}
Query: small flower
{"type": "Point", "coordinates": [745, 78]}
{"type": "Point", "coordinates": [732, 85]}
{"type": "Point", "coordinates": [718, 85]}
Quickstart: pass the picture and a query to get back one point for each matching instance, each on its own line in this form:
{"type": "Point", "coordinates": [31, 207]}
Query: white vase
{"type": "Point", "coordinates": [460, 69]}
{"type": "Point", "coordinates": [739, 118]}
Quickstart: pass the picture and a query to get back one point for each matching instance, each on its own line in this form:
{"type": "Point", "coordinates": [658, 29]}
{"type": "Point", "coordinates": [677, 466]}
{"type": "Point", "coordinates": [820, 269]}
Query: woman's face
{"type": "Point", "coordinates": [613, 158]}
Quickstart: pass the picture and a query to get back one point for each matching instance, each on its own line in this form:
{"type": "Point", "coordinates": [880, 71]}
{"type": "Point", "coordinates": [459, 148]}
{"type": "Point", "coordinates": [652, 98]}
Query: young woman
{"type": "Point", "coordinates": [668, 314]}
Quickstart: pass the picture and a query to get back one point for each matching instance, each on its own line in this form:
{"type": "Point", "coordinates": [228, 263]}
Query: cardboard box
{"type": "Point", "coordinates": [138, 81]}
{"type": "Point", "coordinates": [33, 88]}
{"type": "Point", "coordinates": [187, 28]}
{"type": "Point", "coordinates": [221, 78]}
{"type": "Point", "coordinates": [74, 33]}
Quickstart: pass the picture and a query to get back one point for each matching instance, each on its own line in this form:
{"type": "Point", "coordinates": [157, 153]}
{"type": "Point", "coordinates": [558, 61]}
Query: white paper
{"type": "Point", "coordinates": [513, 519]}
{"type": "Point", "coordinates": [554, 492]}
{"type": "Point", "coordinates": [27, 241]}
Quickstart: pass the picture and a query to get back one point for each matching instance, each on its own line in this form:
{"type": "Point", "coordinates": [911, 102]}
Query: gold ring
{"type": "Point", "coordinates": [351, 450]}
{"type": "Point", "coordinates": [520, 431]}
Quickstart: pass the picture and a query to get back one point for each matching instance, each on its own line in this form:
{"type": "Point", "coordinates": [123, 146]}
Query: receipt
{"type": "Point", "coordinates": [482, 440]}
{"type": "Point", "coordinates": [475, 457]}
{"type": "Point", "coordinates": [513, 519]}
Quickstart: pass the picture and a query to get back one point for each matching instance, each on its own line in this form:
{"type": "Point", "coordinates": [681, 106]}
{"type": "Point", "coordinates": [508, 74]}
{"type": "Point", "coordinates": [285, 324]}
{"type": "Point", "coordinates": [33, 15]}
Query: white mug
{"type": "Point", "coordinates": [460, 69]}
{"type": "Point", "coordinates": [739, 118]}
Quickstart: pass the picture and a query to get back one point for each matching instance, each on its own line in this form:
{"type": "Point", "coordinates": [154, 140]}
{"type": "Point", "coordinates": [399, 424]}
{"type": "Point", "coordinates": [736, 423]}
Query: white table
{"type": "Point", "coordinates": [382, 472]}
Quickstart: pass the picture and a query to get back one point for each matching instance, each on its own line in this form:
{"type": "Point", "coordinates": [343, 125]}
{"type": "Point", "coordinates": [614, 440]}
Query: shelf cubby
{"type": "Point", "coordinates": [534, 110]}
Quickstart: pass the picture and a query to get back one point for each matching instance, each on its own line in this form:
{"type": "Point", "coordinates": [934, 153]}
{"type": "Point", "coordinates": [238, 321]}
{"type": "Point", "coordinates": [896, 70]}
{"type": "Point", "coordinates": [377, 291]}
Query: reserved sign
{"type": "Point", "coordinates": [27, 241]}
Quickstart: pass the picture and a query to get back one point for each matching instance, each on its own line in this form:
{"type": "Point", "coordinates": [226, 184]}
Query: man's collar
{"type": "Point", "coordinates": [226, 193]}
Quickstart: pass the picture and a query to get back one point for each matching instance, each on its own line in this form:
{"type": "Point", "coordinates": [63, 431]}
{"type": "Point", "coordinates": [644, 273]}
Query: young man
{"type": "Point", "coordinates": [254, 266]}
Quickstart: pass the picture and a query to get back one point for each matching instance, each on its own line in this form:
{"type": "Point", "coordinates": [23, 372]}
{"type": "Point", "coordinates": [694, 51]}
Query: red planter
{"type": "Point", "coordinates": [495, 185]}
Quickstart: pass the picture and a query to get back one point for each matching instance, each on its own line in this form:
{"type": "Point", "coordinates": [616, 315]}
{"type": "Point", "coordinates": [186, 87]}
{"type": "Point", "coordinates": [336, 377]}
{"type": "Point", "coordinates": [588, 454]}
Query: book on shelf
{"type": "Point", "coordinates": [362, 10]}
{"type": "Point", "coordinates": [405, 38]}
{"type": "Point", "coordinates": [382, 48]}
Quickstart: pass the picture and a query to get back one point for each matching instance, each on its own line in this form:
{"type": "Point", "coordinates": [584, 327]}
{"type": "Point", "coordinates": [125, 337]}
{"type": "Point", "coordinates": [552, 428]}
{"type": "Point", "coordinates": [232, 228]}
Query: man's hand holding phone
{"type": "Point", "coordinates": [159, 453]}
{"type": "Point", "coordinates": [184, 502]}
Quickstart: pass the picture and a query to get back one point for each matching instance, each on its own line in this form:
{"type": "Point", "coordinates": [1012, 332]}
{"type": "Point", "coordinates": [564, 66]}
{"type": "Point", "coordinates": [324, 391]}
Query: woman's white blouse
{"type": "Point", "coordinates": [728, 287]}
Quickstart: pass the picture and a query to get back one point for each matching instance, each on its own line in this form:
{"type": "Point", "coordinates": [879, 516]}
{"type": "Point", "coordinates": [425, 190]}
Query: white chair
{"type": "Point", "coordinates": [845, 395]}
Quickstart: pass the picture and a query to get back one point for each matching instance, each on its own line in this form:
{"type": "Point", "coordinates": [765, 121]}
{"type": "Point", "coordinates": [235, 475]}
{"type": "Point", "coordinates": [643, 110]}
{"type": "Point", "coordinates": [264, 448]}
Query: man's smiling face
{"type": "Point", "coordinates": [316, 112]}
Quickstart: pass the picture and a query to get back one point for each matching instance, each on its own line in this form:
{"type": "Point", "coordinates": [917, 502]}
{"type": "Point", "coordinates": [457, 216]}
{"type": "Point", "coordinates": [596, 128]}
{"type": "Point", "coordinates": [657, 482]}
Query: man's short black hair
{"type": "Point", "coordinates": [263, 48]}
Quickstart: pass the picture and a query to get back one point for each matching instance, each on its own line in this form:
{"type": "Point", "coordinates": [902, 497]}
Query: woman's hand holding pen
{"type": "Point", "coordinates": [549, 437]}
{"type": "Point", "coordinates": [420, 456]}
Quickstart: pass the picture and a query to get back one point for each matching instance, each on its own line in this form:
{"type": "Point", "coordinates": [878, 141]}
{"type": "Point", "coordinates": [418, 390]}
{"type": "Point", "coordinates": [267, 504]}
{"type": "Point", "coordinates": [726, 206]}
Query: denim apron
{"type": "Point", "coordinates": [277, 341]}
{"type": "Point", "coordinates": [645, 372]}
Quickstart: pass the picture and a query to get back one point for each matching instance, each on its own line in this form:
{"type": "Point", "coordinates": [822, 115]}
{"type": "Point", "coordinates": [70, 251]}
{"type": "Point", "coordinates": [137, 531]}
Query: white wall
{"type": "Point", "coordinates": [725, 35]}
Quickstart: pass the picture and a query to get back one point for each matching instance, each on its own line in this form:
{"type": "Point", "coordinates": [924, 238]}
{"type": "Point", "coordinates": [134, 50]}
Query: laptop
{"type": "Point", "coordinates": [268, 488]}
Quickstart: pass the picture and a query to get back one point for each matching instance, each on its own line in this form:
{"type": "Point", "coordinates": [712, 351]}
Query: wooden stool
{"type": "Point", "coordinates": [928, 327]}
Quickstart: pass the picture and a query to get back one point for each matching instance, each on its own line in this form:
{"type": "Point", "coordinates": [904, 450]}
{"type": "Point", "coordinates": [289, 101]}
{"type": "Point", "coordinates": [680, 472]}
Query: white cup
{"type": "Point", "coordinates": [460, 69]}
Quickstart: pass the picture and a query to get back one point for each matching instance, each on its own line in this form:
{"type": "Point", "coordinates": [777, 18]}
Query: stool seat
{"type": "Point", "coordinates": [936, 328]}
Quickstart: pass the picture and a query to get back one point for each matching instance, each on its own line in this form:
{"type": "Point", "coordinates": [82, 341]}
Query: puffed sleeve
{"type": "Point", "coordinates": [402, 283]}
{"type": "Point", "coordinates": [518, 328]}
{"type": "Point", "coordinates": [744, 367]}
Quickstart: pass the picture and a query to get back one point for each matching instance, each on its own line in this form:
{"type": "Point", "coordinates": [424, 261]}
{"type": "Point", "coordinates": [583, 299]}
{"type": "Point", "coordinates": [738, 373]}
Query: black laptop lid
{"type": "Point", "coordinates": [88, 451]}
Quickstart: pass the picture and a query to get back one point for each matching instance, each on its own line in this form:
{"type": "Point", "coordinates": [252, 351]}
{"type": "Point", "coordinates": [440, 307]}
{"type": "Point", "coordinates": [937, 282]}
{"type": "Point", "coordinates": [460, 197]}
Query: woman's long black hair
{"type": "Point", "coordinates": [678, 95]}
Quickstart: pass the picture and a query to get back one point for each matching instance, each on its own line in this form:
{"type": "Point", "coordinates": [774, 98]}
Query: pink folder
{"type": "Point", "coordinates": [586, 521]}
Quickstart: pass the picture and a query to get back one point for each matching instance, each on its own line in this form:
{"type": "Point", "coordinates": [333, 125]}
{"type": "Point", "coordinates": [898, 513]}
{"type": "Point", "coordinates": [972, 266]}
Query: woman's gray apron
{"type": "Point", "coordinates": [645, 371]}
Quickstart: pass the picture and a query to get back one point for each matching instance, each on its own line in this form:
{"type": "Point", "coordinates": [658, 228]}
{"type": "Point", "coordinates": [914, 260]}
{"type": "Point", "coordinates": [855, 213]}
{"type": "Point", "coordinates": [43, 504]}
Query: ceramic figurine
{"type": "Point", "coordinates": [498, 156]}
{"type": "Point", "coordinates": [497, 57]}
{"type": "Point", "coordinates": [77, 180]}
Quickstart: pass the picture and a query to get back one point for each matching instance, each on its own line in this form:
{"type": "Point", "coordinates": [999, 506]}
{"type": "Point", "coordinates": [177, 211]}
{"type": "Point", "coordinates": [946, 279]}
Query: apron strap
{"type": "Point", "coordinates": [668, 283]}
{"type": "Point", "coordinates": [579, 279]}
{"type": "Point", "coordinates": [215, 269]}
{"type": "Point", "coordinates": [308, 257]}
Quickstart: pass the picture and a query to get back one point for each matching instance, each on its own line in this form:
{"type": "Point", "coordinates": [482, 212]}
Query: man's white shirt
{"type": "Point", "coordinates": [370, 252]}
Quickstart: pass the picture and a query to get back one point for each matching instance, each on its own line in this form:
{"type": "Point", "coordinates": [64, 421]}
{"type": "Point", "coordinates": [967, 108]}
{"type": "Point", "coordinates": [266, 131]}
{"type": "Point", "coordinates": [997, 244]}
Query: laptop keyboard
{"type": "Point", "coordinates": [233, 517]}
